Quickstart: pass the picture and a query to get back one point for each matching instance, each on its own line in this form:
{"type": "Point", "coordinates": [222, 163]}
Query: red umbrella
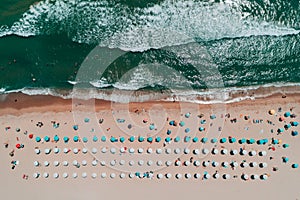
{"type": "Point", "coordinates": [18, 146]}
{"type": "Point", "coordinates": [31, 136]}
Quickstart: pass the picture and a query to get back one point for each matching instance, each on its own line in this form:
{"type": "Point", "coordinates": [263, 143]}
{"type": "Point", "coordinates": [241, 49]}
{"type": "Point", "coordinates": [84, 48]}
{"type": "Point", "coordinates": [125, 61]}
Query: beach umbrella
{"type": "Point", "coordinates": [181, 123]}
{"type": "Point", "coordinates": [205, 164]}
{"type": "Point", "coordinates": [243, 152]}
{"type": "Point", "coordinates": [206, 176]}
{"type": "Point", "coordinates": [251, 141]}
{"type": "Point", "coordinates": [201, 129]}
{"type": "Point", "coordinates": [232, 140]}
{"type": "Point", "coordinates": [215, 164]}
{"type": "Point", "coordinates": [149, 150]}
{"type": "Point", "coordinates": [103, 175]}
{"type": "Point", "coordinates": [295, 165]}
{"type": "Point", "coordinates": [187, 115]}
{"type": "Point", "coordinates": [103, 163]}
{"type": "Point", "coordinates": [37, 151]}
{"type": "Point", "coordinates": [103, 138]}
{"type": "Point", "coordinates": [47, 151]}
{"type": "Point", "coordinates": [186, 163]}
{"type": "Point", "coordinates": [30, 136]}
{"type": "Point", "coordinates": [56, 150]}
{"type": "Point", "coordinates": [75, 138]}
{"type": "Point", "coordinates": [287, 114]}
{"type": "Point", "coordinates": [122, 175]}
{"type": "Point", "coordinates": [187, 130]}
{"type": "Point", "coordinates": [233, 152]}
{"type": "Point", "coordinates": [159, 176]}
{"type": "Point", "coordinates": [285, 145]}
{"type": "Point", "coordinates": [129, 126]}
{"type": "Point", "coordinates": [36, 163]}
{"type": "Point", "coordinates": [65, 163]}
{"type": "Point", "coordinates": [225, 164]}
{"type": "Point", "coordinates": [168, 151]}
{"type": "Point", "coordinates": [149, 139]}
{"type": "Point", "coordinates": [122, 150]}
{"type": "Point", "coordinates": [140, 162]}
{"type": "Point", "coordinates": [86, 120]}
{"type": "Point", "coordinates": [216, 175]}
{"type": "Point", "coordinates": [245, 177]}
{"type": "Point", "coordinates": [131, 175]}
{"type": "Point", "coordinates": [94, 175]}
{"type": "Point", "coordinates": [36, 175]}
{"type": "Point", "coordinates": [223, 140]}
{"type": "Point", "coordinates": [141, 139]}
{"type": "Point", "coordinates": [47, 139]}
{"type": "Point", "coordinates": [260, 142]}
{"type": "Point", "coordinates": [204, 140]}
{"type": "Point", "coordinates": [214, 140]}
{"type": "Point", "coordinates": [66, 139]}
{"type": "Point", "coordinates": [113, 150]}
{"type": "Point", "coordinates": [262, 153]}
{"type": "Point", "coordinates": [45, 175]}
{"type": "Point", "coordinates": [215, 151]}
{"type": "Point", "coordinates": [56, 138]}
{"type": "Point", "coordinates": [18, 146]}
{"type": "Point", "coordinates": [84, 163]}
{"type": "Point", "coordinates": [65, 175]}
{"type": "Point", "coordinates": [254, 176]}
{"type": "Point", "coordinates": [158, 139]}
{"type": "Point", "coordinates": [275, 141]}
{"type": "Point", "coordinates": [150, 162]}
{"type": "Point", "coordinates": [113, 139]}
{"type": "Point", "coordinates": [187, 138]}
{"type": "Point", "coordinates": [264, 177]}
{"type": "Point", "coordinates": [294, 133]}
{"type": "Point", "coordinates": [281, 118]}
{"type": "Point", "coordinates": [234, 164]}
{"type": "Point", "coordinates": [178, 176]}
{"type": "Point", "coordinates": [151, 127]}
{"type": "Point", "coordinates": [177, 139]}
{"type": "Point", "coordinates": [168, 175]}
{"type": "Point", "coordinates": [94, 162]}
{"type": "Point", "coordinates": [195, 139]}
{"type": "Point", "coordinates": [46, 163]}
{"type": "Point", "coordinates": [84, 139]}
{"type": "Point", "coordinates": [263, 165]}
{"type": "Point", "coordinates": [94, 150]}
{"type": "Point", "coordinates": [224, 151]}
{"type": "Point", "coordinates": [186, 150]}
{"type": "Point", "coordinates": [253, 164]}
{"type": "Point", "coordinates": [168, 139]}
{"type": "Point", "coordinates": [75, 162]}
{"type": "Point", "coordinates": [294, 123]}
{"type": "Point", "coordinates": [280, 130]}
{"type": "Point", "coordinates": [272, 112]}
{"type": "Point", "coordinates": [131, 150]}
{"type": "Point", "coordinates": [171, 123]}
{"type": "Point", "coordinates": [197, 176]}
{"type": "Point", "coordinates": [84, 150]}
{"type": "Point", "coordinates": [55, 175]}
{"type": "Point", "coordinates": [75, 127]}
{"type": "Point", "coordinates": [287, 126]}
{"type": "Point", "coordinates": [242, 141]}
{"type": "Point", "coordinates": [196, 151]}
{"type": "Point", "coordinates": [140, 150]}
{"type": "Point", "coordinates": [226, 176]}
{"type": "Point", "coordinates": [244, 164]}
{"type": "Point", "coordinates": [197, 163]}
{"type": "Point", "coordinates": [187, 175]}
{"type": "Point", "coordinates": [74, 175]}
{"type": "Point", "coordinates": [213, 116]}
{"type": "Point", "coordinates": [75, 150]}
{"type": "Point", "coordinates": [252, 153]}
{"type": "Point", "coordinates": [205, 151]}
{"type": "Point", "coordinates": [131, 139]}
{"type": "Point", "coordinates": [95, 138]}
{"type": "Point", "coordinates": [177, 163]}
{"type": "Point", "coordinates": [169, 132]}
{"type": "Point", "coordinates": [56, 163]}
{"type": "Point", "coordinates": [285, 159]}
{"type": "Point", "coordinates": [159, 163]}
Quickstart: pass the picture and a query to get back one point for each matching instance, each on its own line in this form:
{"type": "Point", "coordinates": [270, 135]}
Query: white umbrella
{"type": "Point", "coordinates": [84, 150]}
{"type": "Point", "coordinates": [36, 175]}
{"type": "Point", "coordinates": [245, 177]}
{"type": "Point", "coordinates": [84, 175]}
{"type": "Point", "coordinates": [131, 163]}
{"type": "Point", "coordinates": [140, 162]}
{"type": "Point", "coordinates": [158, 151]}
{"type": "Point", "coordinates": [131, 150]}
{"type": "Point", "coordinates": [65, 175]}
{"type": "Point", "coordinates": [263, 153]}
{"type": "Point", "coordinates": [104, 150]}
{"type": "Point", "coordinates": [244, 152]}
{"type": "Point", "coordinates": [263, 165]}
{"type": "Point", "coordinates": [94, 162]}
{"type": "Point", "coordinates": [215, 151]}
{"type": "Point", "coordinates": [168, 163]}
{"type": "Point", "coordinates": [113, 150]}
{"type": "Point", "coordinates": [233, 152]}
{"type": "Point", "coordinates": [168, 151]}
{"type": "Point", "coordinates": [254, 176]}
{"type": "Point", "coordinates": [94, 175]}
{"type": "Point", "coordinates": [46, 163]}
{"type": "Point", "coordinates": [244, 164]}
{"type": "Point", "coordinates": [75, 150]}
{"type": "Point", "coordinates": [205, 151]}
{"type": "Point", "coordinates": [177, 163]}
{"type": "Point", "coordinates": [65, 163]}
{"type": "Point", "coordinates": [178, 176]}
{"type": "Point", "coordinates": [112, 175]}
{"type": "Point", "coordinates": [187, 163]}
{"type": "Point", "coordinates": [234, 164]}
{"type": "Point", "coordinates": [150, 162]}
{"type": "Point", "coordinates": [66, 150]}
{"type": "Point", "coordinates": [103, 175]}
{"type": "Point", "coordinates": [206, 176]}
{"type": "Point", "coordinates": [75, 163]}
{"type": "Point", "coordinates": [47, 151]}
{"type": "Point", "coordinates": [131, 175]}
{"type": "Point", "coordinates": [74, 175]}
{"type": "Point", "coordinates": [45, 175]}
{"type": "Point", "coordinates": [84, 162]}
{"type": "Point", "coordinates": [149, 150]}
{"type": "Point", "coordinates": [197, 163]}
{"type": "Point", "coordinates": [224, 151]}
{"type": "Point", "coordinates": [226, 176]}
{"type": "Point", "coordinates": [55, 175]}
{"type": "Point", "coordinates": [215, 164]}
{"type": "Point", "coordinates": [177, 151]}
{"type": "Point", "coordinates": [205, 164]}
{"type": "Point", "coordinates": [56, 163]}
{"type": "Point", "coordinates": [94, 150]}
{"type": "Point", "coordinates": [197, 175]}
{"type": "Point", "coordinates": [225, 164]}
{"type": "Point", "coordinates": [113, 163]}
{"type": "Point", "coordinates": [122, 162]}
{"type": "Point", "coordinates": [140, 150]}
{"type": "Point", "coordinates": [186, 150]}
{"type": "Point", "coordinates": [264, 177]}
{"type": "Point", "coordinates": [159, 176]}
{"type": "Point", "coordinates": [56, 150]}
{"type": "Point", "coordinates": [168, 175]}
{"type": "Point", "coordinates": [159, 163]}
{"type": "Point", "coordinates": [37, 151]}
{"type": "Point", "coordinates": [102, 163]}
{"type": "Point", "coordinates": [122, 175]}
{"type": "Point", "coordinates": [253, 164]}
{"type": "Point", "coordinates": [196, 151]}
{"type": "Point", "coordinates": [36, 163]}
{"type": "Point", "coordinates": [188, 176]}
{"type": "Point", "coordinates": [252, 153]}
{"type": "Point", "coordinates": [216, 175]}
{"type": "Point", "coordinates": [122, 150]}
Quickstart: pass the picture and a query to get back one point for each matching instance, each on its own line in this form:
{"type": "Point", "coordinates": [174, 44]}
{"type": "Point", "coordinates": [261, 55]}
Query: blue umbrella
{"type": "Point", "coordinates": [187, 138]}
{"type": "Point", "coordinates": [275, 141]}
{"type": "Point", "coordinates": [113, 139]}
{"type": "Point", "coordinates": [56, 138]}
{"type": "Point", "coordinates": [251, 141]}
{"type": "Point", "coordinates": [169, 132]}
{"type": "Point", "coordinates": [150, 139]}
{"type": "Point", "coordinates": [181, 123]}
{"type": "Point", "coordinates": [76, 138]}
{"type": "Point", "coordinates": [75, 127]}
{"type": "Point", "coordinates": [265, 141]}
{"type": "Point", "coordinates": [157, 139]}
{"type": "Point", "coordinates": [86, 120]}
{"type": "Point", "coordinates": [46, 138]}
{"type": "Point", "coordinates": [204, 140]}
{"type": "Point", "coordinates": [214, 140]}
{"type": "Point", "coordinates": [213, 117]}
{"type": "Point", "coordinates": [280, 130]}
{"type": "Point", "coordinates": [95, 138]}
{"type": "Point", "coordinates": [203, 121]}
{"type": "Point", "coordinates": [242, 141]}
{"type": "Point", "coordinates": [103, 138]}
{"type": "Point", "coordinates": [232, 140]}
{"type": "Point", "coordinates": [177, 139]}
{"type": "Point", "coordinates": [285, 159]}
{"type": "Point", "coordinates": [84, 139]}
{"type": "Point", "coordinates": [294, 133]}
{"type": "Point", "coordinates": [294, 123]}
{"type": "Point", "coordinates": [172, 123]}
{"type": "Point", "coordinates": [295, 165]}
{"type": "Point", "coordinates": [201, 129]}
{"type": "Point", "coordinates": [287, 114]}
{"type": "Point", "coordinates": [260, 141]}
{"type": "Point", "coordinates": [187, 130]}
{"type": "Point", "coordinates": [168, 139]}
{"type": "Point", "coordinates": [287, 126]}
{"type": "Point", "coordinates": [151, 127]}
{"type": "Point", "coordinates": [66, 139]}
{"type": "Point", "coordinates": [131, 139]}
{"type": "Point", "coordinates": [187, 115]}
{"type": "Point", "coordinates": [38, 139]}
{"type": "Point", "coordinates": [195, 139]}
{"type": "Point", "coordinates": [122, 139]}
{"type": "Point", "coordinates": [141, 139]}
{"type": "Point", "coordinates": [223, 140]}
{"type": "Point", "coordinates": [285, 145]}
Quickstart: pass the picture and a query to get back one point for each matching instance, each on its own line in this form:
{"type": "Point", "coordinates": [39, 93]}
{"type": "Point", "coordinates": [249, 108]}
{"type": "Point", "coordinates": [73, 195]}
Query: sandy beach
{"type": "Point", "coordinates": [150, 150]}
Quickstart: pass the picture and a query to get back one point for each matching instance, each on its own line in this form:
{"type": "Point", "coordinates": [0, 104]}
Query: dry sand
{"type": "Point", "coordinates": [24, 112]}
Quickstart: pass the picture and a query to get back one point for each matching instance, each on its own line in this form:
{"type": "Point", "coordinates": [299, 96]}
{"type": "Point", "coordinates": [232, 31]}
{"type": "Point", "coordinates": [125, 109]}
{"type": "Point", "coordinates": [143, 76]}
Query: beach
{"type": "Point", "coordinates": [228, 124]}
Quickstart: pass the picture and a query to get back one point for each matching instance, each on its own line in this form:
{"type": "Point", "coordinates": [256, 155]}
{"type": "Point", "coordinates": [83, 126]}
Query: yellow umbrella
{"type": "Point", "coordinates": [272, 112]}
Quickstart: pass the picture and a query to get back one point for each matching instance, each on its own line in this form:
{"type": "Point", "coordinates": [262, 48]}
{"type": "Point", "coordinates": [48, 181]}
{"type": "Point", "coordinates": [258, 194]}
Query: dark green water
{"type": "Point", "coordinates": [250, 42]}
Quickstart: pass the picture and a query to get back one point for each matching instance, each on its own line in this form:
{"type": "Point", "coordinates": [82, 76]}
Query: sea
{"type": "Point", "coordinates": [138, 50]}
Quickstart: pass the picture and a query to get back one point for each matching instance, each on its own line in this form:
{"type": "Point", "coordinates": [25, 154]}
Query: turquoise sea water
{"type": "Point", "coordinates": [250, 43]}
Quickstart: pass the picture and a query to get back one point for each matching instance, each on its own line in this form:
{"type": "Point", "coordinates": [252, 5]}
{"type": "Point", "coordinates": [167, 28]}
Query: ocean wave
{"type": "Point", "coordinates": [138, 29]}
